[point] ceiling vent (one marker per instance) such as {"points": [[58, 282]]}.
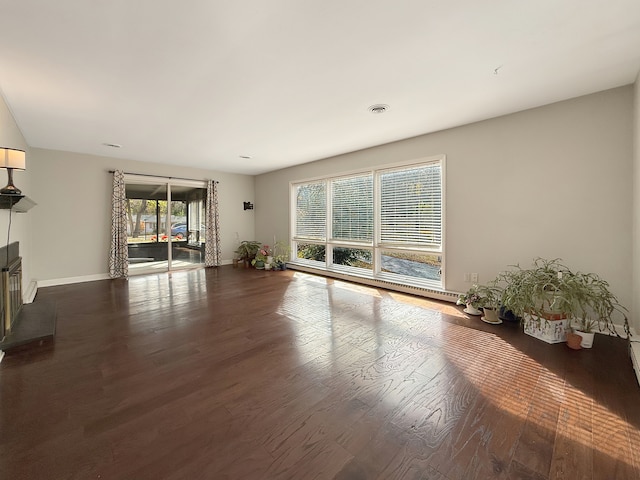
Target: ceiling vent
{"points": [[378, 108]]}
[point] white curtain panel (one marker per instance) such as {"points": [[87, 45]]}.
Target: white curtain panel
{"points": [[118, 252], [212, 250]]}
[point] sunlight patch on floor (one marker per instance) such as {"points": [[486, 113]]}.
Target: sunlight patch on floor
{"points": [[354, 287], [440, 306], [553, 402], [156, 267], [534, 393]]}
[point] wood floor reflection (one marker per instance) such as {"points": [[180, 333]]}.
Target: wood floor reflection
{"points": [[243, 374]]}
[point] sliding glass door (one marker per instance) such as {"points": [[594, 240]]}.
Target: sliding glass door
{"points": [[187, 227], [165, 224]]}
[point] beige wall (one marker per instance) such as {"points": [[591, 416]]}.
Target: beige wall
{"points": [[554, 181], [635, 307], [10, 136], [72, 221]]}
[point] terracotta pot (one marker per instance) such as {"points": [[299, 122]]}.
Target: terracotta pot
{"points": [[573, 341]]}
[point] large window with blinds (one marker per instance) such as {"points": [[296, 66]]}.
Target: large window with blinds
{"points": [[311, 211], [352, 208], [411, 206], [384, 224]]}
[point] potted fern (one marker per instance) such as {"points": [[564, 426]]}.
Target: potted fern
{"points": [[550, 298]]}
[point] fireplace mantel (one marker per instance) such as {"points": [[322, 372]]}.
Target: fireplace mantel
{"points": [[19, 203]]}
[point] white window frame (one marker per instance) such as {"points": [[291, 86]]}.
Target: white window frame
{"points": [[376, 245]]}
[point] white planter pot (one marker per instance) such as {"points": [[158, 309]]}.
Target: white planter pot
{"points": [[269, 259], [471, 310], [547, 330], [587, 339], [491, 316]]}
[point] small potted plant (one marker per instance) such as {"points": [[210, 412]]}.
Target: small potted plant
{"points": [[281, 254], [594, 306], [263, 257], [490, 302], [472, 300]]}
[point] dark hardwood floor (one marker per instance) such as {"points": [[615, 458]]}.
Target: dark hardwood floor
{"points": [[243, 374]]}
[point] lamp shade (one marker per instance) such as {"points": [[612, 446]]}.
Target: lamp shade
{"points": [[12, 158]]}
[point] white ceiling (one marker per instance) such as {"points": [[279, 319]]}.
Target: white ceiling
{"points": [[201, 82]]}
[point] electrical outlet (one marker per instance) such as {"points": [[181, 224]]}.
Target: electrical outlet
{"points": [[467, 277], [474, 277]]}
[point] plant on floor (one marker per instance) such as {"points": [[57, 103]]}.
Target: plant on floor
{"points": [[486, 297], [247, 250], [281, 254], [535, 290], [489, 296], [471, 297], [263, 252], [549, 290], [490, 301]]}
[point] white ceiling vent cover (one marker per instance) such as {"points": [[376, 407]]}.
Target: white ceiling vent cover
{"points": [[378, 108]]}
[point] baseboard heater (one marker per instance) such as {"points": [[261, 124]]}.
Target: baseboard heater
{"points": [[398, 287]]}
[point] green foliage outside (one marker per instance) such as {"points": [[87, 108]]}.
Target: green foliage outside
{"points": [[341, 256], [137, 207], [352, 257], [311, 251]]}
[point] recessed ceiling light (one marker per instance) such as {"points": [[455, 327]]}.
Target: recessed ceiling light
{"points": [[246, 157], [112, 145], [378, 108]]}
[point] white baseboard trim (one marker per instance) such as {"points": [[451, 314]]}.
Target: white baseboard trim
{"points": [[619, 329], [30, 293], [69, 280], [634, 346], [634, 352], [91, 278]]}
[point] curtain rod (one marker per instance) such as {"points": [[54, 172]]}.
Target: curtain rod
{"points": [[164, 176]]}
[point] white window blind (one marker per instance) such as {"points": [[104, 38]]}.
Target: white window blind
{"points": [[352, 208], [311, 211], [384, 223], [411, 206]]}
